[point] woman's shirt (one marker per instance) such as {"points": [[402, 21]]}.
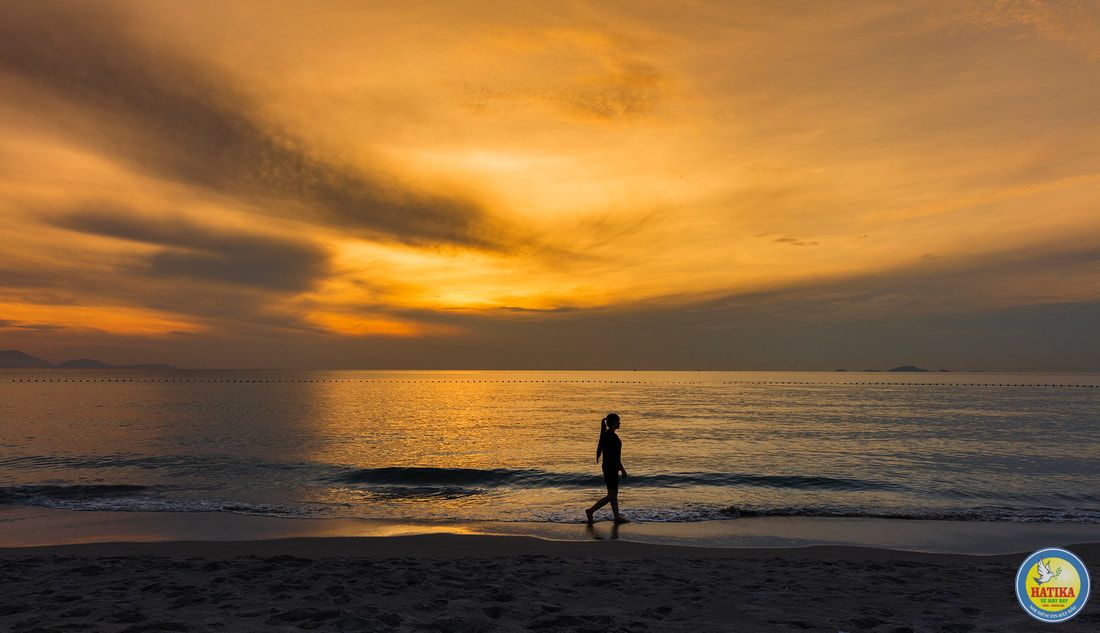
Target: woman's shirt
{"points": [[612, 452]]}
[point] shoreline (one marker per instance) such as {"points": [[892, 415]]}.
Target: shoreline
{"points": [[40, 527], [449, 545]]}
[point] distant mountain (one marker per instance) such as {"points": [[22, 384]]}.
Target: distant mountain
{"points": [[82, 363], [14, 359], [909, 368]]}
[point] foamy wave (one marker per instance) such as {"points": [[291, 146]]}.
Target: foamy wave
{"points": [[534, 478], [701, 512], [67, 492], [137, 498], [134, 498]]}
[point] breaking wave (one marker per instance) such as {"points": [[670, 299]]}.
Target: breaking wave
{"points": [[428, 488], [702, 512], [134, 498], [534, 478]]}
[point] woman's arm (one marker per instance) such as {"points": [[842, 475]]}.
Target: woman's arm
{"points": [[622, 469]]}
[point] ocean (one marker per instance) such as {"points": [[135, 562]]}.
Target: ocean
{"points": [[462, 446]]}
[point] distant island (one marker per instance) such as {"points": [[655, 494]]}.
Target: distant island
{"points": [[903, 369], [14, 359]]}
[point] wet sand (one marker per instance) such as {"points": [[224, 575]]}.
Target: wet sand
{"points": [[26, 526], [446, 582]]}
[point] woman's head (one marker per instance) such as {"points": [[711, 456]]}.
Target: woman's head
{"points": [[611, 421]]}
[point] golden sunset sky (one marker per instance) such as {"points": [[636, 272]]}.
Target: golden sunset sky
{"points": [[561, 184]]}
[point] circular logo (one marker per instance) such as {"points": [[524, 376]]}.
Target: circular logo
{"points": [[1052, 585]]}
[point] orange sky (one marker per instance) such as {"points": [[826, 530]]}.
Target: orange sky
{"points": [[448, 184]]}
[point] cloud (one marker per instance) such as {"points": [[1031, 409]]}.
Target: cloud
{"points": [[596, 77], [190, 250], [221, 279], [793, 241], [1072, 23], [626, 93], [935, 285], [171, 116], [22, 325]]}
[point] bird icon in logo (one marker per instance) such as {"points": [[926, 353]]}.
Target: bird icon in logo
{"points": [[1045, 574]]}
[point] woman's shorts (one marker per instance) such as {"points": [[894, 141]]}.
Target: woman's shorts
{"points": [[611, 478]]}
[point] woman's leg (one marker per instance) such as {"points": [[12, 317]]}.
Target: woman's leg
{"points": [[615, 508], [599, 504], [612, 481]]}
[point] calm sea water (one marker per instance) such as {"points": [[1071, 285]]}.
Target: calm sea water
{"points": [[469, 446]]}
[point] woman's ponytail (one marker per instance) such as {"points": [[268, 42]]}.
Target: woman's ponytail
{"points": [[603, 432]]}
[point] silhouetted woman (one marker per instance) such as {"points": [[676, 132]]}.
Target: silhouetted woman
{"points": [[611, 447]]}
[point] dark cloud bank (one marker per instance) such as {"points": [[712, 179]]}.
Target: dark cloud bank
{"points": [[189, 250], [177, 119]]}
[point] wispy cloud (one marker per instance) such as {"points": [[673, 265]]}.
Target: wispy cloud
{"points": [[1073, 23], [794, 241], [198, 252], [174, 117]]}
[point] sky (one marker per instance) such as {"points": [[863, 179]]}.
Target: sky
{"points": [[554, 185]]}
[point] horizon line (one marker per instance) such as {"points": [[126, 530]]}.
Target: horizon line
{"points": [[553, 369]]}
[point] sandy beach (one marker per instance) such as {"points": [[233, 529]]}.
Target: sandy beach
{"points": [[458, 583]]}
